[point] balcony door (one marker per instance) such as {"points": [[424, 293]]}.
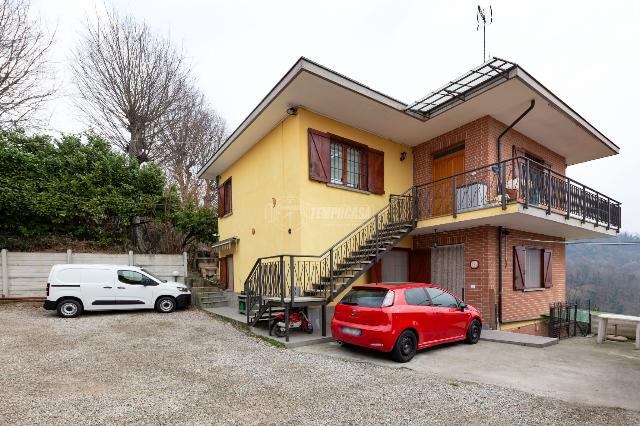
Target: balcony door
{"points": [[445, 165]]}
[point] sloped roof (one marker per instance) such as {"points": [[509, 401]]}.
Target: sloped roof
{"points": [[498, 87]]}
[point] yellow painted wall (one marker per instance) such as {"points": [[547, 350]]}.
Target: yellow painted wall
{"points": [[329, 213], [308, 216], [258, 178]]}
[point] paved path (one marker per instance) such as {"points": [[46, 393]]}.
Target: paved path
{"points": [[499, 336], [188, 368], [574, 370]]}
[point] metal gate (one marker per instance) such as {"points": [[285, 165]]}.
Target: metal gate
{"points": [[569, 319], [447, 268]]}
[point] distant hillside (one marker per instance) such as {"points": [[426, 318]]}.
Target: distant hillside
{"points": [[608, 275]]}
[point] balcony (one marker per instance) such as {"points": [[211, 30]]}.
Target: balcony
{"points": [[518, 193]]}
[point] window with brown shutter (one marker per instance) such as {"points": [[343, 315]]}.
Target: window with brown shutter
{"points": [[376, 171], [519, 267], [532, 268], [548, 268], [339, 161], [318, 156], [224, 199]]}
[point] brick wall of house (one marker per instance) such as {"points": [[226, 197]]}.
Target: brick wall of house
{"points": [[522, 305], [473, 134], [557, 162], [481, 243], [479, 137]]}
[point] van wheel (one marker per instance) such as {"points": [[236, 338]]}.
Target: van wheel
{"points": [[69, 308], [405, 347], [473, 332], [165, 304]]}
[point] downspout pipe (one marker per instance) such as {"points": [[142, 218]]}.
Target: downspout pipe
{"points": [[499, 313], [500, 230], [510, 126]]}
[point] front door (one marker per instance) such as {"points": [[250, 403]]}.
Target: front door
{"points": [[395, 267], [134, 290], [447, 268], [444, 167], [229, 284], [222, 283], [420, 266]]}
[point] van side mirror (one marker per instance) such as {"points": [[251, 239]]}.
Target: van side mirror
{"points": [[463, 306]]}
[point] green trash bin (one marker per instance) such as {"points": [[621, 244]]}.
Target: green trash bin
{"points": [[242, 304]]}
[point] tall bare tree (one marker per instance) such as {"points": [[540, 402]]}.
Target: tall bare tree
{"points": [[25, 80], [189, 140], [130, 82]]}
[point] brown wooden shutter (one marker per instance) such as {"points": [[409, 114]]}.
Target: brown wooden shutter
{"points": [[222, 266], [319, 156], [375, 171], [228, 193], [548, 268], [519, 267], [221, 200]]}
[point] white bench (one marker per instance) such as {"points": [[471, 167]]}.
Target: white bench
{"points": [[603, 320]]}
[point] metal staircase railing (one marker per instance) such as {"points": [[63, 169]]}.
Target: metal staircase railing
{"points": [[286, 279]]}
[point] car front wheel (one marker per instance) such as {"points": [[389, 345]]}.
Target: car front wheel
{"points": [[405, 348], [69, 308], [473, 332], [166, 304]]}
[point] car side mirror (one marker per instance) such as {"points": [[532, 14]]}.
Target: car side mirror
{"points": [[463, 306]]}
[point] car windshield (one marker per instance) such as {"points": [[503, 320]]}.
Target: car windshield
{"points": [[153, 276], [367, 297]]}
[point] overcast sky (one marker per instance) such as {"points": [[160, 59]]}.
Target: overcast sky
{"points": [[587, 53]]}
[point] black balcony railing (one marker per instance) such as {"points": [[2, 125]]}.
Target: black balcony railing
{"points": [[516, 180]]}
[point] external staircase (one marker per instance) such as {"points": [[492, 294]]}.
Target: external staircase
{"points": [[282, 282]]}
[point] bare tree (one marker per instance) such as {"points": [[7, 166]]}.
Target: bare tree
{"points": [[25, 81], [189, 140], [130, 82]]}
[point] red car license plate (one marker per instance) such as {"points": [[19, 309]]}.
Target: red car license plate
{"points": [[351, 331]]}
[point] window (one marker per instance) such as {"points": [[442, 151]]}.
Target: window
{"points": [[224, 199], [130, 277], [532, 268], [533, 277], [339, 161], [416, 296], [441, 298], [346, 165], [369, 298]]}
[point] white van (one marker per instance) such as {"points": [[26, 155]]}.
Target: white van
{"points": [[74, 288]]}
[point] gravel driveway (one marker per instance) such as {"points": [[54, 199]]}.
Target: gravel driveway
{"points": [[187, 367]]}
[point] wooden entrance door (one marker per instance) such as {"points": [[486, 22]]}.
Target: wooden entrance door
{"points": [[420, 266], [443, 168]]}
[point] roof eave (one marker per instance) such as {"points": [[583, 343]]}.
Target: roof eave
{"points": [[304, 64]]}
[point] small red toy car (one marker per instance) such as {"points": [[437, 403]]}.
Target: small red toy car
{"points": [[402, 318]]}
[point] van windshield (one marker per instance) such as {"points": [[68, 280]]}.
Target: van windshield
{"points": [[367, 297], [153, 276]]}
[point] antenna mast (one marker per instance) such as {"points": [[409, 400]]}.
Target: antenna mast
{"points": [[483, 19]]}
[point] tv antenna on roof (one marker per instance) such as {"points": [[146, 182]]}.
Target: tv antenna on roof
{"points": [[483, 19]]}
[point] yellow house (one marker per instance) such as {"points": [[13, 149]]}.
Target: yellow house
{"points": [[328, 182]]}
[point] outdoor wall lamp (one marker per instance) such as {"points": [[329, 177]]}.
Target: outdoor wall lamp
{"points": [[403, 155]]}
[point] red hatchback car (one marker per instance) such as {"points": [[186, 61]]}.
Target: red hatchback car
{"points": [[402, 318]]}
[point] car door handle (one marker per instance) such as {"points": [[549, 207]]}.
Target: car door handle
{"points": [[107, 286], [121, 288]]}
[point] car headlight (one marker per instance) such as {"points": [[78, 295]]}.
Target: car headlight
{"points": [[183, 289]]}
